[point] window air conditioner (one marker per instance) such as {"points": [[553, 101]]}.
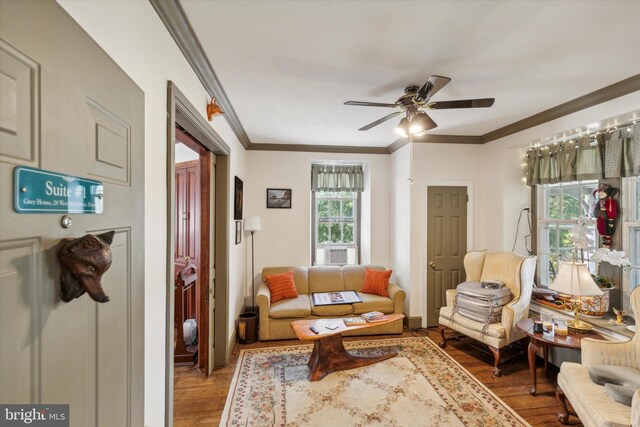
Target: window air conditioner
{"points": [[335, 256]]}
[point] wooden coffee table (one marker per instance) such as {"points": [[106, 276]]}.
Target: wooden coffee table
{"points": [[329, 354], [543, 340]]}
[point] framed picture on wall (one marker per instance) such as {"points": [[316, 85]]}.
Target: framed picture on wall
{"points": [[238, 232], [279, 198], [237, 199]]}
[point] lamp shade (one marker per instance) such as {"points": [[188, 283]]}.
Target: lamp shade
{"points": [[252, 223], [574, 279], [403, 127]]}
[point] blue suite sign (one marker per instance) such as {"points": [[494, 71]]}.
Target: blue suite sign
{"points": [[40, 191]]}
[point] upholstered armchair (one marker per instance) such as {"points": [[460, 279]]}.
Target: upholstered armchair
{"points": [[517, 272], [590, 400]]}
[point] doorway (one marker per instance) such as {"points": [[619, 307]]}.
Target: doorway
{"points": [[446, 244], [181, 114], [193, 254]]}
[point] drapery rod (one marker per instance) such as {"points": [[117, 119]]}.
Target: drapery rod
{"points": [[537, 144]]}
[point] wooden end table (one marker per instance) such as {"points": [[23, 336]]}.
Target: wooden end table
{"points": [[543, 340], [329, 354]]}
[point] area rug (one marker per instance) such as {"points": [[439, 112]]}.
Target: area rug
{"points": [[421, 386]]}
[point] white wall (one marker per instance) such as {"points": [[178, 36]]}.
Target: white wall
{"points": [[285, 238], [133, 35], [401, 220]]}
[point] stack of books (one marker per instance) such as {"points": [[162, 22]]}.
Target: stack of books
{"points": [[374, 316], [352, 321]]}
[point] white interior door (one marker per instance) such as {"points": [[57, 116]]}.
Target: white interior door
{"points": [[67, 107]]}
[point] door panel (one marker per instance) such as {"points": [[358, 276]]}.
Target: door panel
{"points": [[446, 245], [67, 107]]}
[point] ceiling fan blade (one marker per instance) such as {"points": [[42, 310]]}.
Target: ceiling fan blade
{"points": [[369, 104], [382, 120], [463, 103], [433, 85]]}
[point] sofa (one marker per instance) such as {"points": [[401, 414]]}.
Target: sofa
{"points": [[517, 273], [590, 401], [275, 318]]}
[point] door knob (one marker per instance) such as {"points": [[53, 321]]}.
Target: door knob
{"points": [[432, 265]]}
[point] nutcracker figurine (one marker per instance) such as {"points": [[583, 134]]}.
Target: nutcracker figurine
{"points": [[606, 212]]}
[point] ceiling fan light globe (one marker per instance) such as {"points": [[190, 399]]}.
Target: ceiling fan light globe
{"points": [[403, 127], [415, 128], [420, 123]]}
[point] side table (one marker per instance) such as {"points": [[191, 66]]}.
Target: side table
{"points": [[538, 340]]}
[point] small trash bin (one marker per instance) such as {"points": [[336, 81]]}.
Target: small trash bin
{"points": [[248, 327]]}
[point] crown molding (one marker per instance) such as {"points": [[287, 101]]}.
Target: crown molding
{"points": [[435, 139], [174, 18], [318, 148], [607, 93]]}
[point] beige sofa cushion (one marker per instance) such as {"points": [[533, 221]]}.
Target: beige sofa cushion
{"points": [[582, 392], [325, 279], [495, 330], [331, 310], [354, 276], [291, 308], [371, 302], [300, 276]]}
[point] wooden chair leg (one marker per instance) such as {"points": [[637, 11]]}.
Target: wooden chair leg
{"points": [[496, 360], [443, 342], [563, 417]]}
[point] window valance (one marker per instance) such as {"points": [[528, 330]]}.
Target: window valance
{"points": [[337, 177], [614, 154]]}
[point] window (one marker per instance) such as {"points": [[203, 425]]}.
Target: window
{"points": [[335, 211], [631, 237], [336, 234], [559, 205]]}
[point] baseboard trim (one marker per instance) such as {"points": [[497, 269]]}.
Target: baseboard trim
{"points": [[413, 322]]}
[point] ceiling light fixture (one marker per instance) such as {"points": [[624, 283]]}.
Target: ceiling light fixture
{"points": [[403, 127], [421, 123]]}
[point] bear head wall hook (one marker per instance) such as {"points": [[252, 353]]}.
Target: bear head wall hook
{"points": [[83, 261]]}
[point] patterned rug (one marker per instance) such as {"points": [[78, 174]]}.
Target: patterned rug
{"points": [[421, 386]]}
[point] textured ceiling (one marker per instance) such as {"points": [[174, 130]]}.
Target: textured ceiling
{"points": [[287, 67]]}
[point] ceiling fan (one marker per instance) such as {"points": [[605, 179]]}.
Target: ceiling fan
{"points": [[416, 99]]}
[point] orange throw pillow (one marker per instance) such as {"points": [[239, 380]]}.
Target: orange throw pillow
{"points": [[376, 281], [281, 286]]}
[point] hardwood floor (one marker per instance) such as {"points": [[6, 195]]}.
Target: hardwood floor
{"points": [[199, 401]]}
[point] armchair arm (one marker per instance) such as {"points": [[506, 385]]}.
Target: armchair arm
{"points": [[397, 295], [512, 313], [598, 352], [263, 298], [451, 297]]}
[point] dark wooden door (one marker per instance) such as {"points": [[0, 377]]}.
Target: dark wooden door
{"points": [[446, 245], [187, 250]]}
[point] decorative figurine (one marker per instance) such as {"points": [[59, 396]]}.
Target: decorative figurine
{"points": [[605, 212], [619, 317], [83, 262]]}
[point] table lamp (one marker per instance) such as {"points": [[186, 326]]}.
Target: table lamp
{"points": [[574, 279]]}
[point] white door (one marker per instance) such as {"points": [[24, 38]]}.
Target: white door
{"points": [[67, 107]]}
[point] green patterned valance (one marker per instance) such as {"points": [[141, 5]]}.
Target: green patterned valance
{"points": [[337, 178], [612, 154]]}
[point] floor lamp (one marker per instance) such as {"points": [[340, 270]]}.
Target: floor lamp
{"points": [[252, 224]]}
